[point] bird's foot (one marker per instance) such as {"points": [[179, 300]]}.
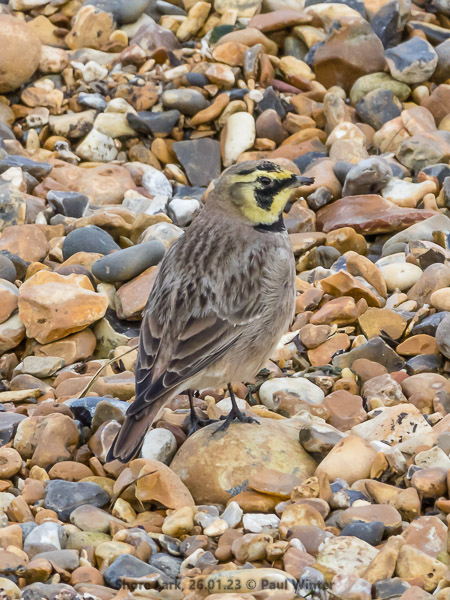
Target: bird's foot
{"points": [[234, 415], [197, 423]]}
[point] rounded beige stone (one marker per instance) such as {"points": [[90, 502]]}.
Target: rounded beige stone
{"points": [[217, 467], [21, 52], [340, 463]]}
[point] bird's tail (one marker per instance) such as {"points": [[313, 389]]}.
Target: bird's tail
{"points": [[131, 435]]}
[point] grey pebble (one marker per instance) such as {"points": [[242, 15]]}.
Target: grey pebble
{"points": [[122, 12], [128, 566], [187, 101], [88, 239], [7, 269], [69, 204], [128, 263], [64, 496]]}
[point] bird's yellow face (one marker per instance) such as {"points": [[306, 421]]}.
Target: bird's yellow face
{"points": [[261, 190]]}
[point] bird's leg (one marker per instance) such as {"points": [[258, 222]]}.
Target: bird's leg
{"points": [[235, 414], [195, 422]]}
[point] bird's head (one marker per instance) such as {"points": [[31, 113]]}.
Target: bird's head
{"points": [[258, 189]]}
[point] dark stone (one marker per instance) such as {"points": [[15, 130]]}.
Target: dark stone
{"points": [[127, 328], [271, 100], [147, 122], [338, 485], [88, 239], [20, 265], [169, 565], [385, 24], [85, 409], [122, 12], [6, 133], [354, 496], [446, 187], [30, 181], [442, 72], [295, 47], [372, 533], [440, 170], [187, 101], [238, 93], [443, 336], [306, 160], [207, 559], [128, 566], [79, 270], [378, 107], [322, 256], [219, 31], [128, 263], [431, 257], [27, 528], [187, 191], [197, 79], [385, 589], [200, 159], [69, 204], [339, 265], [51, 591], [33, 167], [430, 324], [65, 496], [425, 363], [376, 350], [320, 197], [8, 425], [341, 169], [167, 8], [397, 169], [7, 269], [367, 177]]}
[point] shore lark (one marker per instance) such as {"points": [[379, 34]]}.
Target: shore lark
{"points": [[223, 296]]}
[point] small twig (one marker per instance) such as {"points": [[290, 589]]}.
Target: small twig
{"points": [[95, 377]]}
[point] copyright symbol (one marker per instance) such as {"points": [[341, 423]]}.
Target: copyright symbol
{"points": [[251, 584]]}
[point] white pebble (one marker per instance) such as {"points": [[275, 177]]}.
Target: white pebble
{"points": [[156, 182], [232, 514], [183, 210], [240, 136], [159, 444], [299, 386], [259, 522], [400, 276], [97, 147]]}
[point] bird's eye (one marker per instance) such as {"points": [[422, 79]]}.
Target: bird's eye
{"points": [[265, 180]]}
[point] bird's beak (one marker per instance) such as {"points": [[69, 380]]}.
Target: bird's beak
{"points": [[298, 180]]}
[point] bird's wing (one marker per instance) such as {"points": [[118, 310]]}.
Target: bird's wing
{"points": [[189, 323]]}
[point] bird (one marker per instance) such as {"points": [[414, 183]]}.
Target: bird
{"points": [[223, 297]]}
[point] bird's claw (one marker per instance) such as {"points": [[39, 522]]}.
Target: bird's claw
{"points": [[198, 423], [234, 416]]}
